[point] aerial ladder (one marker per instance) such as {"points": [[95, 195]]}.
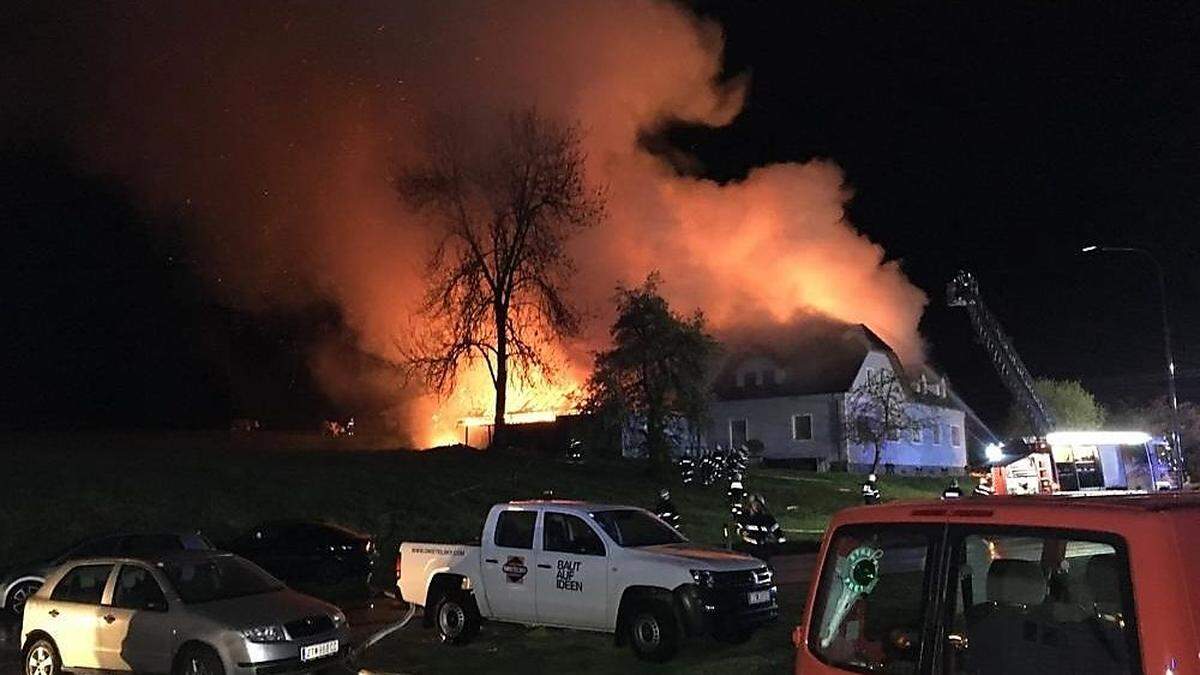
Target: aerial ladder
{"points": [[963, 291]]}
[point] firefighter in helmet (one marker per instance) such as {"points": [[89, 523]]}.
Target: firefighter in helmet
{"points": [[736, 495], [953, 491], [687, 469], [870, 490], [758, 527], [984, 488], [665, 509]]}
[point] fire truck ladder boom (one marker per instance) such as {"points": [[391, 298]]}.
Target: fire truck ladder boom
{"points": [[963, 291]]}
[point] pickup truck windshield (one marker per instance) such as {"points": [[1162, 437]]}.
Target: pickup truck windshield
{"points": [[218, 579], [631, 528]]}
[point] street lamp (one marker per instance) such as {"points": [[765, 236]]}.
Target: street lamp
{"points": [[1166, 327]]}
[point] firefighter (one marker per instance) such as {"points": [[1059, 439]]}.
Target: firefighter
{"points": [[870, 491], [984, 488], [758, 527], [665, 509], [736, 494], [687, 469], [575, 451], [953, 491]]}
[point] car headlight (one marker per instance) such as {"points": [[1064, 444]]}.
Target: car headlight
{"points": [[271, 632], [703, 578], [339, 619]]}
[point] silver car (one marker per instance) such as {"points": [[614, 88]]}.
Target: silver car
{"points": [[195, 612]]}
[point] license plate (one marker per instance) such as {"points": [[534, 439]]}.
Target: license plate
{"points": [[759, 597], [318, 650]]}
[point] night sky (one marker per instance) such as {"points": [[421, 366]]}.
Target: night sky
{"points": [[999, 139]]}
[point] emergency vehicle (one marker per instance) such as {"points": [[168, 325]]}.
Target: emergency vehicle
{"points": [[1008, 584]]}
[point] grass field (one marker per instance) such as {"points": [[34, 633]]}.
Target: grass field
{"points": [[57, 489]]}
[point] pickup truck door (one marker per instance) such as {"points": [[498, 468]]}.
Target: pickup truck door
{"points": [[572, 573], [507, 565]]}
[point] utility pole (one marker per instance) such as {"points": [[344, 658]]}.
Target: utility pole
{"points": [[1176, 444]]}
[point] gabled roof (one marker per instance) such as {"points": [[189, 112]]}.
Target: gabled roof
{"points": [[820, 359]]}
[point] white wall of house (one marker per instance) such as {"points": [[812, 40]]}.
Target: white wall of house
{"points": [[816, 435], [809, 428], [941, 446]]}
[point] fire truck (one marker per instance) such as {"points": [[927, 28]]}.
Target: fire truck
{"points": [[1057, 461]]}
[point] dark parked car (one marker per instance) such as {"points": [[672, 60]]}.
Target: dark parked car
{"points": [[303, 552], [18, 582]]}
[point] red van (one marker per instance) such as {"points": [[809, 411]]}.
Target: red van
{"points": [[1008, 585]]}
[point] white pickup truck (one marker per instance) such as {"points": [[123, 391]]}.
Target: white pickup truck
{"points": [[614, 569]]}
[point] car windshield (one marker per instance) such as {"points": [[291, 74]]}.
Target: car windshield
{"points": [[632, 527], [218, 579]]}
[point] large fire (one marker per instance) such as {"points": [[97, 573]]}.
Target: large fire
{"points": [[280, 125]]}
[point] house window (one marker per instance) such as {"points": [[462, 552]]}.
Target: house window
{"points": [[935, 434], [801, 427], [955, 436], [870, 375], [915, 435], [737, 433]]}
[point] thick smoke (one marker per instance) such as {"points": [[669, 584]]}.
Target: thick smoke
{"points": [[279, 125]]}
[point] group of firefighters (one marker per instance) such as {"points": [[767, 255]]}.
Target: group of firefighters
{"points": [[753, 522]]}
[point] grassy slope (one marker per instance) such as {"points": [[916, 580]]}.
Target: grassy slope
{"points": [[56, 491]]}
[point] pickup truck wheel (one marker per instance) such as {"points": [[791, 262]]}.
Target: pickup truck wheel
{"points": [[653, 632], [457, 618]]}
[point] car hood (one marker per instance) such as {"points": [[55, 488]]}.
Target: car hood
{"points": [[713, 558], [252, 610]]}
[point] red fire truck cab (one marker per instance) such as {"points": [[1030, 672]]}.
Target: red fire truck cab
{"points": [[1035, 584]]}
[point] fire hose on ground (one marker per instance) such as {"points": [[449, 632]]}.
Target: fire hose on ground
{"points": [[382, 633]]}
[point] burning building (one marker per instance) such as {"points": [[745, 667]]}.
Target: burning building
{"points": [[275, 130]]}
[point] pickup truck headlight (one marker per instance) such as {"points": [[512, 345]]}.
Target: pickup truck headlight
{"points": [[703, 578], [271, 632]]}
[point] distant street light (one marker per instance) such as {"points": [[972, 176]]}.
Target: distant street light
{"points": [[1166, 327]]}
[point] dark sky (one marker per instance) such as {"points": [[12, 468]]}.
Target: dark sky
{"points": [[996, 138]]}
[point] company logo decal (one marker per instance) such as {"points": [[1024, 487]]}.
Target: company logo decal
{"points": [[515, 569]]}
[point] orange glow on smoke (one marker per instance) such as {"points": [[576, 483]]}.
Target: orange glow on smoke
{"points": [[279, 127]]}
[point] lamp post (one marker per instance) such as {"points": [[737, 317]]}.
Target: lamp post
{"points": [[1166, 327]]}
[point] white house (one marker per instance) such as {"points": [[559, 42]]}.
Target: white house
{"points": [[792, 398]]}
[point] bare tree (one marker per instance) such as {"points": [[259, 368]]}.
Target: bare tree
{"points": [[878, 411], [499, 270]]}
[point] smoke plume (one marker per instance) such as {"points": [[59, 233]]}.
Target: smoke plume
{"points": [[279, 126]]}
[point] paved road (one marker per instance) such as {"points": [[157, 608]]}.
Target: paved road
{"points": [[792, 574]]}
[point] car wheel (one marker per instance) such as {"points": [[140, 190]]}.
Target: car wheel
{"points": [[42, 659], [457, 618], [653, 632], [197, 660], [15, 602]]}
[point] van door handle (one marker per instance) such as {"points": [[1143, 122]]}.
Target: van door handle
{"points": [[490, 560], [53, 612], [109, 618], [543, 566]]}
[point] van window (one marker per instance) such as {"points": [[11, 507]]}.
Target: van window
{"points": [[514, 529], [870, 610], [1039, 601], [83, 584]]}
